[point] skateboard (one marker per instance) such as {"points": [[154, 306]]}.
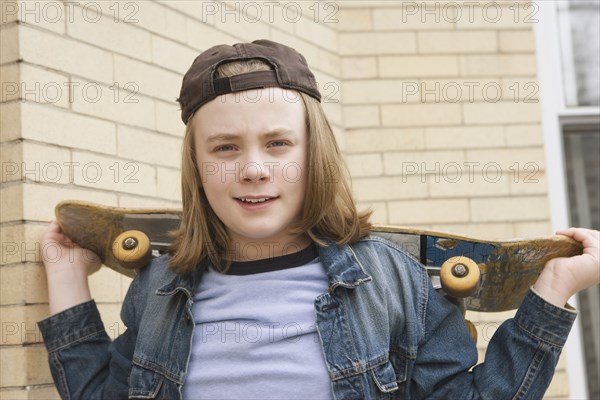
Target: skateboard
{"points": [[482, 275]]}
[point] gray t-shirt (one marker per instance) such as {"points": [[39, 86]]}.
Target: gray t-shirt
{"points": [[255, 335]]}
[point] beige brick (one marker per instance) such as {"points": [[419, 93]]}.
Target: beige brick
{"points": [[309, 50], [428, 211], [19, 323], [10, 123], [379, 43], [172, 55], [104, 173], [500, 112], [332, 108], [24, 366], [277, 18], [145, 146], [376, 91], [498, 65], [510, 209], [105, 286], [329, 61], [418, 66], [421, 162], [361, 165], [321, 33], [11, 202], [488, 230], [421, 114], [245, 27], [521, 90], [533, 229], [156, 18], [358, 19], [23, 283], [517, 41], [168, 182], [330, 88], [498, 16], [168, 118], [53, 125], [388, 188], [21, 243], [109, 312], [149, 79], [361, 116], [45, 164], [379, 209], [524, 135], [9, 11], [46, 14], [461, 90], [370, 140], [202, 11], [559, 387], [10, 81], [529, 181], [414, 16], [104, 32], [58, 53], [201, 36], [529, 160], [359, 67], [457, 181], [147, 202], [9, 41], [457, 42], [39, 200], [464, 137], [43, 86], [31, 393], [11, 154], [124, 103]]}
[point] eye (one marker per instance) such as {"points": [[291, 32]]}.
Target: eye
{"points": [[225, 147], [278, 143]]}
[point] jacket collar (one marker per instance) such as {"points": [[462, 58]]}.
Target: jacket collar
{"points": [[342, 266], [340, 261]]}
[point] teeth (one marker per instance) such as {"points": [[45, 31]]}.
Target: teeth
{"points": [[253, 201]]}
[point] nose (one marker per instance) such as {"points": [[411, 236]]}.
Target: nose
{"points": [[253, 171]]}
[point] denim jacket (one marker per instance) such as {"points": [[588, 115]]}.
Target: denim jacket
{"points": [[385, 334]]}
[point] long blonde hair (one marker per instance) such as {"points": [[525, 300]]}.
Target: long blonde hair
{"points": [[328, 209]]}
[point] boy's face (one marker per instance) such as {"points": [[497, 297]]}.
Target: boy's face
{"points": [[251, 149]]}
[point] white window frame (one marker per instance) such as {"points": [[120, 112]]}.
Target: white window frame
{"points": [[552, 72]]}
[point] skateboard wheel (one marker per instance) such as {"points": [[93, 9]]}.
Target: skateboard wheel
{"points": [[459, 276], [472, 330], [132, 249]]}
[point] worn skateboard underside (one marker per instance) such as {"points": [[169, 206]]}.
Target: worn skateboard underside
{"points": [[95, 227], [508, 268]]}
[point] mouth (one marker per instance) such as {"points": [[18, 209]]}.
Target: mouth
{"points": [[255, 199]]}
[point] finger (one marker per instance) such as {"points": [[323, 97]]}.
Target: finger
{"points": [[54, 227], [581, 234]]}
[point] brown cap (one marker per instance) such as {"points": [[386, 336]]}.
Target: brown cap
{"points": [[199, 85]]}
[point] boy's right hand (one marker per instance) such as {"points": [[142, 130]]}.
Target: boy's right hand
{"points": [[67, 269], [62, 255]]}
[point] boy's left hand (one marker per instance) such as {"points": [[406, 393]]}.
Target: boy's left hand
{"points": [[562, 277]]}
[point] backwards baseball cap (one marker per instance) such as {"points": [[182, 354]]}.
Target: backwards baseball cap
{"points": [[289, 71]]}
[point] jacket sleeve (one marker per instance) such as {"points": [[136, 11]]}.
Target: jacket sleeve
{"points": [[520, 359], [84, 362]]}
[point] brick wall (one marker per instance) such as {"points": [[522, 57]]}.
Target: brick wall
{"points": [[435, 107]]}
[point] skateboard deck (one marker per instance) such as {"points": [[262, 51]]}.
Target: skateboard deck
{"points": [[499, 272]]}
